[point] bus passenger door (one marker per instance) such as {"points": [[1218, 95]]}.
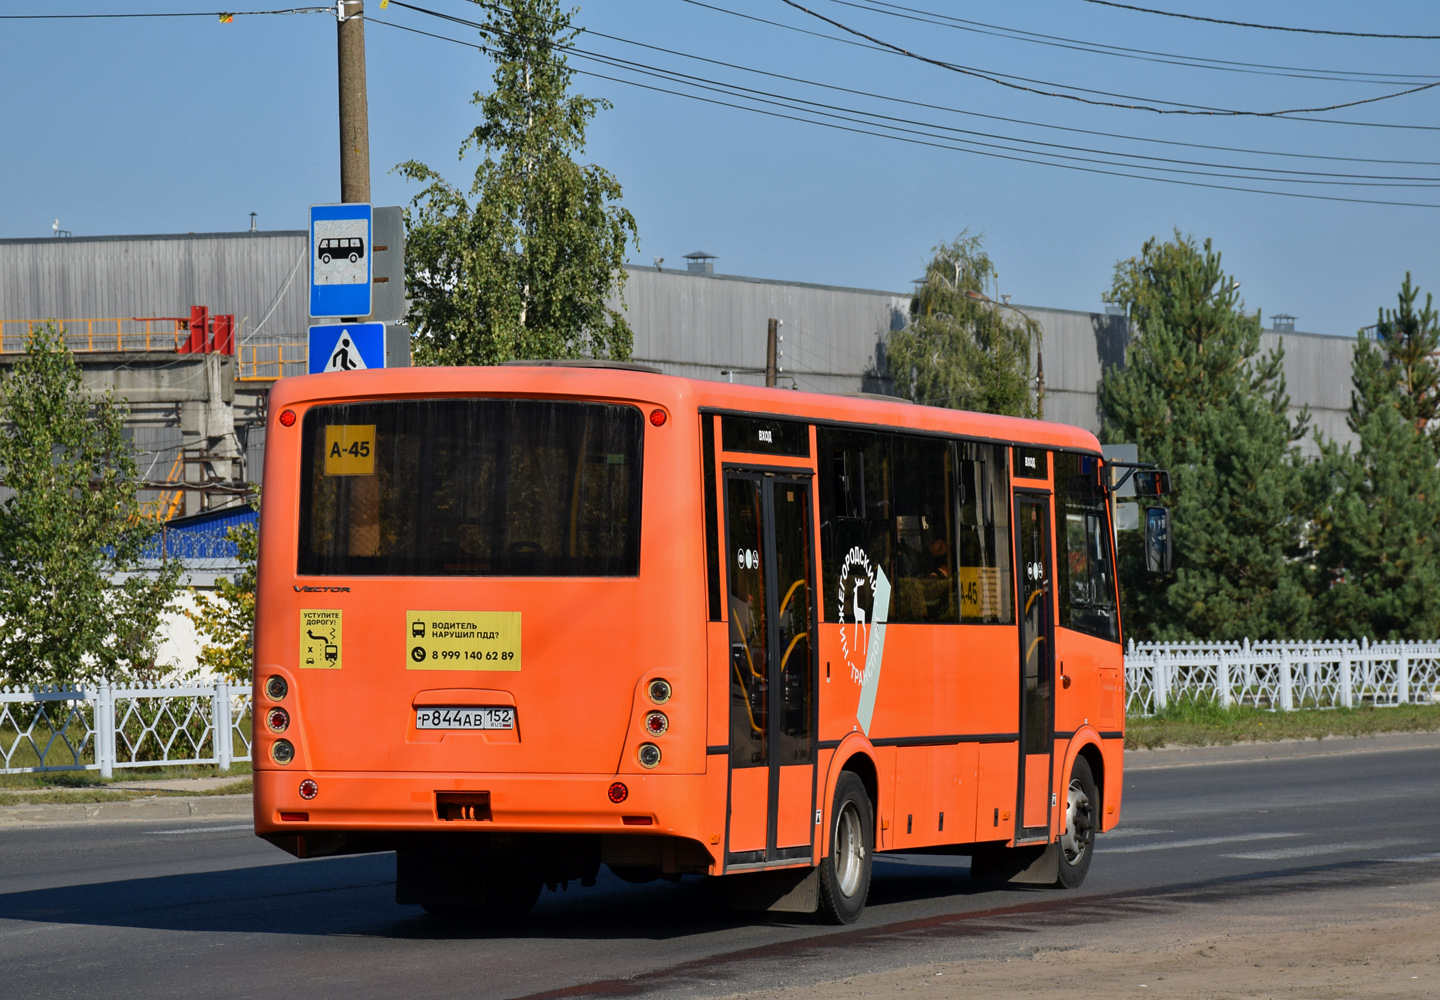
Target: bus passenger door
{"points": [[772, 669], [1037, 666]]}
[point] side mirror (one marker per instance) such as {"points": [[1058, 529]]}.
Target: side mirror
{"points": [[1152, 483], [1159, 554]]}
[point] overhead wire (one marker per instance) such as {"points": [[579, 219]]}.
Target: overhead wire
{"points": [[648, 69], [1122, 51], [1265, 27], [1175, 108], [876, 48], [188, 13], [916, 140]]}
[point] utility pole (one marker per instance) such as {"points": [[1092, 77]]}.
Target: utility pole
{"points": [[354, 109], [1039, 385], [770, 350]]}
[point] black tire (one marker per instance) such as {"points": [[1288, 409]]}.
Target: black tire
{"points": [[1082, 815], [845, 870]]}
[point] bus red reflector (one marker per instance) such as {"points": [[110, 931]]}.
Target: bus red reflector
{"points": [[294, 817], [637, 820]]}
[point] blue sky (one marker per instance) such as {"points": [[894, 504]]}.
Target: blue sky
{"points": [[188, 125]]}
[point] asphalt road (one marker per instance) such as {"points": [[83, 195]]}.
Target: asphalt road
{"points": [[204, 909]]}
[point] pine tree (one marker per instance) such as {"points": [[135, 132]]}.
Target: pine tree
{"points": [[524, 271], [1197, 398], [1382, 529], [960, 350], [74, 605]]}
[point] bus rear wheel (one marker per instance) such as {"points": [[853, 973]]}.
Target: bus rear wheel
{"points": [[1077, 842], [845, 870]]}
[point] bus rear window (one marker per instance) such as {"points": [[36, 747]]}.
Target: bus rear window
{"points": [[470, 487]]}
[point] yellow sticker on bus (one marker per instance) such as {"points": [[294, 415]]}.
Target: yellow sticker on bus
{"points": [[319, 639], [350, 450], [462, 640]]}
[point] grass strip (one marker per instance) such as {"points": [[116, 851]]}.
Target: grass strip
{"points": [[1198, 722]]}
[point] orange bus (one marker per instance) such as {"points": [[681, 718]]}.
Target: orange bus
{"points": [[517, 622]]}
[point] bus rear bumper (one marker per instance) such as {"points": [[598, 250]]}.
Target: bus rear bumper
{"points": [[386, 802]]}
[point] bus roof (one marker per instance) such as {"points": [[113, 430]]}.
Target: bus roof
{"points": [[678, 393]]}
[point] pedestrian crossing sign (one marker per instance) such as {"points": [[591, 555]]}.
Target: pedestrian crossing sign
{"points": [[347, 347]]}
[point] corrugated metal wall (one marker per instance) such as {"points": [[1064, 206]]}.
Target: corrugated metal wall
{"points": [[244, 274], [685, 323], [703, 325]]}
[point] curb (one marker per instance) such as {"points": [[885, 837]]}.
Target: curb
{"points": [[1244, 753], [178, 807]]}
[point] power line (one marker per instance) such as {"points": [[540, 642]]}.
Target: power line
{"points": [[886, 120], [889, 122], [215, 13], [936, 107], [1265, 27], [877, 48], [1003, 118], [1119, 51], [948, 146], [1177, 109]]}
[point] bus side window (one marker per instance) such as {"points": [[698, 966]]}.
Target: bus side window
{"points": [[982, 502], [925, 586], [1086, 577], [856, 511]]}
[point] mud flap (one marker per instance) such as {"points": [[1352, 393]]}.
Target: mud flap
{"points": [[1037, 865], [789, 890]]}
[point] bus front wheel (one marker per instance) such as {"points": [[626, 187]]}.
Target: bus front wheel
{"points": [[845, 871], [1077, 843]]}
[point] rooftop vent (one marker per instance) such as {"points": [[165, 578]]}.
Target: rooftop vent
{"points": [[1282, 323], [700, 262]]}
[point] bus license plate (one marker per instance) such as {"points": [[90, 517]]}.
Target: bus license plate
{"points": [[465, 718]]}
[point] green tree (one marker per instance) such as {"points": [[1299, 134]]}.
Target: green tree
{"points": [[1381, 530], [525, 270], [962, 350], [73, 598], [227, 619], [1198, 398]]}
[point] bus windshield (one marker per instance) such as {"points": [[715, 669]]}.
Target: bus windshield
{"points": [[470, 487]]}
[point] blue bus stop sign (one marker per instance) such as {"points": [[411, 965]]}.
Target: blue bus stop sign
{"points": [[341, 252]]}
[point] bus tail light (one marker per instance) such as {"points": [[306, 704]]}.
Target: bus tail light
{"points": [[656, 723], [649, 754], [309, 789], [658, 417], [287, 418], [283, 752], [619, 793], [275, 688], [659, 691], [278, 720]]}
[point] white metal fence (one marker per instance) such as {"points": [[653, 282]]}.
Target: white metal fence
{"points": [[105, 727], [1282, 675]]}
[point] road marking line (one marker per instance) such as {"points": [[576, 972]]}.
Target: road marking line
{"points": [[1284, 853], [1417, 858], [1197, 842], [1136, 831], [202, 829]]}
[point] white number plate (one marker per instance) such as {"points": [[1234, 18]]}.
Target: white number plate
{"points": [[465, 718]]}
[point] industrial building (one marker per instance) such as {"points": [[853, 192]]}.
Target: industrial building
{"points": [[198, 399]]}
